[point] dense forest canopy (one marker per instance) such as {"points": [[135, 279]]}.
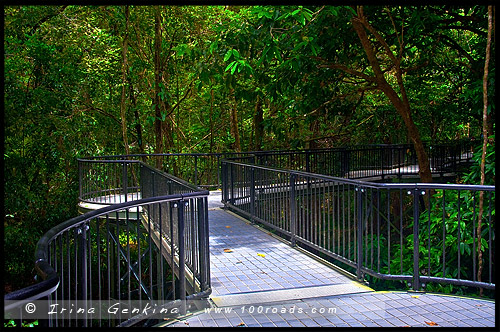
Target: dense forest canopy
{"points": [[96, 80]]}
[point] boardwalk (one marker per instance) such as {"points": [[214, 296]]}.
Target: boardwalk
{"points": [[258, 280]]}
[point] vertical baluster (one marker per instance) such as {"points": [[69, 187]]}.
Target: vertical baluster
{"points": [[444, 233], [458, 235], [182, 272], [490, 243], [416, 243]]}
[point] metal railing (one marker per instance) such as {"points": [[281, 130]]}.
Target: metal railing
{"points": [[370, 161], [146, 215], [355, 162], [149, 251], [416, 233], [200, 169]]}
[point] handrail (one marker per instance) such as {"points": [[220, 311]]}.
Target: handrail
{"points": [[203, 168], [170, 237], [42, 247], [52, 280], [417, 185], [352, 221]]}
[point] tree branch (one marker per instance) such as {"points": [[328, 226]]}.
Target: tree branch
{"points": [[349, 71], [381, 40]]}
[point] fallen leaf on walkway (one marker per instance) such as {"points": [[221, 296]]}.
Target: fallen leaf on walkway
{"points": [[228, 226], [431, 323], [261, 255], [415, 296], [228, 250]]}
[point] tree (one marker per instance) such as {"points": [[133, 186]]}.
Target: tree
{"points": [[485, 141], [123, 103], [399, 100]]}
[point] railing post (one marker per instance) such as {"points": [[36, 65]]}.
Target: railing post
{"points": [[391, 162], [82, 274], [80, 179], [203, 248], [252, 193], [382, 153], [231, 184], [182, 256], [347, 156], [293, 209], [196, 170], [219, 170], [223, 177], [308, 166], [125, 180], [416, 241], [359, 256]]}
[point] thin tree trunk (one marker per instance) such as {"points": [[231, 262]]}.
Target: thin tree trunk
{"points": [[485, 143], [157, 90], [168, 128], [234, 125], [211, 120], [138, 127], [258, 125], [124, 81]]}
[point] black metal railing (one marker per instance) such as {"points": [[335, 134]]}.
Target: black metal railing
{"points": [[144, 212], [355, 162], [370, 161], [417, 233], [200, 169], [147, 252], [108, 181]]}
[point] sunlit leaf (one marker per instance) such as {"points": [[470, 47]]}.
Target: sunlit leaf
{"points": [[228, 55]]}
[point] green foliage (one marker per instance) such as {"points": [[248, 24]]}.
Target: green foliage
{"points": [[440, 249], [474, 177], [63, 88], [12, 323]]}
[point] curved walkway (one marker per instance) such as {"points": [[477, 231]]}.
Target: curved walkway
{"points": [[258, 280]]}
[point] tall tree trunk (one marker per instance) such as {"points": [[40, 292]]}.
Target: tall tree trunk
{"points": [[123, 102], [168, 128], [211, 120], [258, 119], [234, 125], [485, 143], [138, 127], [402, 103], [157, 88]]}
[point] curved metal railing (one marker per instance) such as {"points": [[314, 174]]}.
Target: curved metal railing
{"points": [[147, 253]]}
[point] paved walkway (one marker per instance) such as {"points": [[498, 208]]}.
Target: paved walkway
{"points": [[258, 280]]}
